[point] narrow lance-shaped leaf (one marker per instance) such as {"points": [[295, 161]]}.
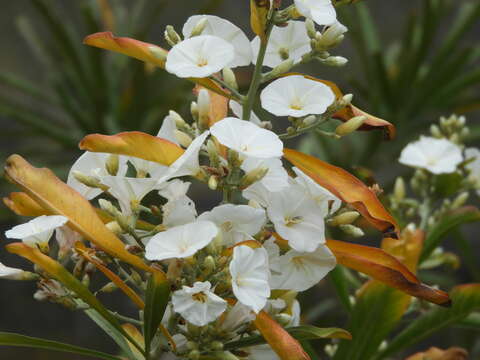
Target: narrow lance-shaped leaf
{"points": [[58, 198], [286, 347], [59, 273], [11, 339], [385, 268], [143, 51], [135, 334], [346, 187], [156, 300], [134, 143]]}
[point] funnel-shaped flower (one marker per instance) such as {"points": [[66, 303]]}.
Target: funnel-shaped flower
{"points": [[296, 96], [321, 11], [199, 57]]}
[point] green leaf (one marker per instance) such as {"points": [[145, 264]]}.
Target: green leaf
{"points": [[340, 283], [377, 311], [465, 299], [447, 184], [301, 333], [12, 339], [156, 300], [449, 222]]}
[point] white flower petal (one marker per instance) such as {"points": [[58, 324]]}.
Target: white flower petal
{"points": [[474, 166], [247, 138], [10, 273], [225, 30], [200, 56], [276, 178], [238, 111], [321, 11], [296, 96], [38, 230], [180, 241]]}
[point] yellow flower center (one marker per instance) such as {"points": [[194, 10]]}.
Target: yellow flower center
{"points": [[290, 221], [200, 297]]}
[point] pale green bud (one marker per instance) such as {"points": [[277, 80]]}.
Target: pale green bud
{"points": [[310, 26], [283, 319], [229, 78], [399, 189], [177, 118], [253, 176], [216, 345], [435, 131], [203, 106], [352, 230], [460, 200], [108, 288], [172, 36], [350, 126], [199, 27], [112, 164], [194, 110], [114, 227], [89, 181], [194, 355], [345, 218], [184, 139], [309, 120], [335, 61], [280, 69], [347, 99], [333, 35], [213, 182]]}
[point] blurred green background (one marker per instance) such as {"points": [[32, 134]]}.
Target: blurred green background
{"points": [[410, 61]]}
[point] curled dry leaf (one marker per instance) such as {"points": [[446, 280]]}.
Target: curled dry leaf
{"points": [[434, 353], [22, 204], [346, 187]]}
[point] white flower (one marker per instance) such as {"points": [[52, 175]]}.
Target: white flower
{"points": [[238, 111], [188, 163], [10, 273], [474, 166], [66, 239], [250, 275], [247, 138], [225, 30], [179, 209], [238, 316], [128, 190], [92, 164], [328, 202], [289, 42], [321, 11], [180, 241], [236, 222], [198, 305], [439, 156], [174, 189], [262, 352], [276, 178], [297, 218], [37, 231], [296, 96], [300, 271], [199, 57]]}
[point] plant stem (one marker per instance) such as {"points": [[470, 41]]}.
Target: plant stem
{"points": [[257, 74], [127, 319], [234, 92]]}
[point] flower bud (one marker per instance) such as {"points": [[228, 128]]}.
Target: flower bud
{"points": [[344, 218], [335, 61], [283, 319], [333, 35], [177, 118], [114, 227], [184, 139], [108, 288], [253, 176], [280, 69], [229, 78], [399, 189], [352, 230], [309, 120], [172, 36], [194, 355], [350, 126], [194, 110], [199, 27], [213, 182], [111, 164], [158, 53], [435, 131], [89, 181], [347, 99], [310, 26], [209, 264], [460, 200]]}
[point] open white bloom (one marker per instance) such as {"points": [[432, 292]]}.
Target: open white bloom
{"points": [[37, 231], [92, 164], [179, 209], [250, 276], [129, 191], [10, 273], [180, 241], [247, 138], [474, 166], [238, 111], [188, 163], [297, 218], [328, 202], [439, 156], [289, 42], [300, 271], [236, 222], [296, 96], [200, 56], [198, 304], [225, 30], [321, 11], [276, 178]]}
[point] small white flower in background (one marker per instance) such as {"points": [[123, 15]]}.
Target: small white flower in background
{"points": [[238, 111], [247, 138], [179, 209], [262, 352], [128, 190], [66, 239], [289, 42], [10, 273], [225, 30], [321, 11], [297, 218], [250, 275], [300, 271], [180, 241], [200, 56], [92, 164], [198, 304], [276, 178], [236, 222], [439, 156], [333, 34], [296, 96], [187, 164], [238, 316], [37, 231], [328, 202], [474, 166]]}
